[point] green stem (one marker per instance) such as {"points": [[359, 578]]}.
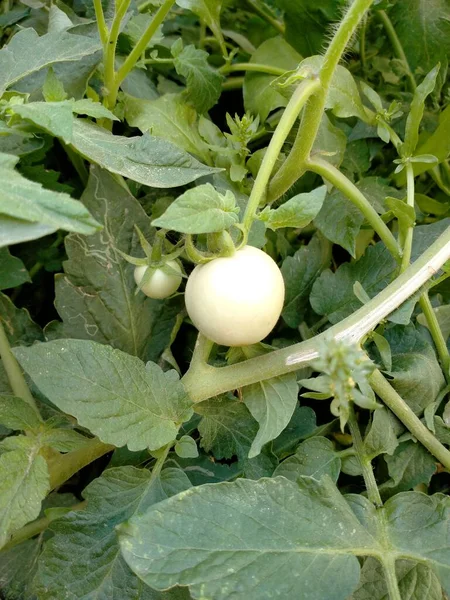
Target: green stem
{"points": [[35, 528], [290, 115], [397, 46], [234, 83], [101, 23], [159, 463], [373, 492], [109, 51], [399, 407], [425, 303], [258, 68], [344, 185], [13, 371], [264, 14], [436, 334], [362, 46], [207, 381], [407, 249], [293, 167], [78, 163], [63, 467], [391, 577], [143, 42], [202, 350]]}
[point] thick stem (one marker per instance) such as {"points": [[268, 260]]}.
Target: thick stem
{"points": [[290, 115], [145, 39], [209, 381], [410, 200], [35, 528], [399, 407], [14, 372], [101, 23], [293, 166], [373, 492], [397, 47], [349, 189], [258, 68], [264, 14], [64, 466], [110, 54], [436, 334]]}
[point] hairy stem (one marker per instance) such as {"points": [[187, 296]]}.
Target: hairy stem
{"points": [[206, 381], [14, 372], [143, 42], [290, 115], [373, 492], [399, 407], [293, 167], [349, 189], [397, 47]]}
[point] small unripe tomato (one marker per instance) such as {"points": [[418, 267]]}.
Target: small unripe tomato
{"points": [[237, 300], [161, 285]]}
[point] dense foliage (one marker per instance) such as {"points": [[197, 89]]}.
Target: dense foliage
{"points": [[140, 139]]}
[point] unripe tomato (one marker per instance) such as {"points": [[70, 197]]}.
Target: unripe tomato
{"points": [[161, 285], [236, 301]]}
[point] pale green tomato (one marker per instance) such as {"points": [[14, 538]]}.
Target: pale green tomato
{"points": [[236, 301], [161, 285]]}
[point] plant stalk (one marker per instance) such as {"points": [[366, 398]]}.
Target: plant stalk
{"points": [[436, 334], [397, 46], [65, 466], [290, 115], [35, 528], [294, 165], [373, 492], [109, 52], [264, 14], [256, 67], [14, 372], [406, 259], [101, 23], [143, 42], [399, 407], [349, 189]]}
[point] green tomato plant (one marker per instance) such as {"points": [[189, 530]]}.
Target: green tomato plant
{"points": [[278, 425]]}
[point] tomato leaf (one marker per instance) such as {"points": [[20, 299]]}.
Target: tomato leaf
{"points": [[200, 210], [146, 159], [115, 395], [296, 212], [313, 458], [113, 313], [204, 84], [42, 210]]}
